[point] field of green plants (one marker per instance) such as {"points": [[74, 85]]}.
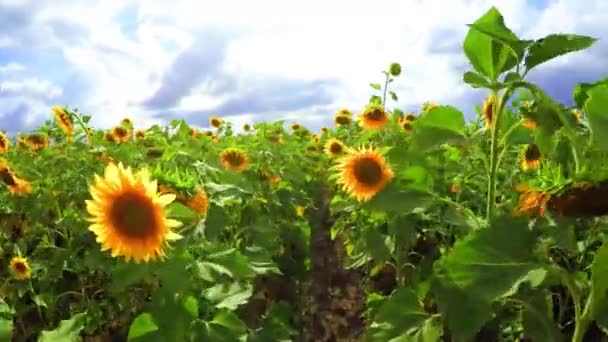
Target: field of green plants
{"points": [[389, 226]]}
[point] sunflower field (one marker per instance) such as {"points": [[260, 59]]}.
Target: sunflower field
{"points": [[389, 226]]}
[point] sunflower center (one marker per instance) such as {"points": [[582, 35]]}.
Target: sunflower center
{"points": [[532, 153], [133, 215], [20, 267], [342, 119], [235, 159], [335, 148], [367, 171], [120, 132], [376, 114]]}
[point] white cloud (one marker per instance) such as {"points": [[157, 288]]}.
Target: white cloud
{"points": [[11, 67], [30, 87], [347, 41]]}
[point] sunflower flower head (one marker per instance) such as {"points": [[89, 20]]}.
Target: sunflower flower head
{"points": [[127, 122], [234, 159], [37, 141], [324, 130], [488, 109], [128, 215], [315, 138], [140, 134], [20, 268], [246, 127], [531, 157], [363, 173], [194, 132], [531, 201], [120, 134], [343, 117], [64, 120], [295, 127], [531, 124], [15, 184], [216, 122], [334, 147], [199, 201], [373, 117], [4, 143]]}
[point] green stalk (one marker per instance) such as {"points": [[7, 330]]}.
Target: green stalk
{"points": [[582, 321], [388, 76], [490, 203]]}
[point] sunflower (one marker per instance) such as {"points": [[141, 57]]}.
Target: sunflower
{"points": [[216, 122], [198, 202], [531, 157], [140, 134], [37, 141], [455, 188], [120, 134], [406, 125], [324, 130], [300, 211], [530, 201], [214, 138], [109, 137], [128, 215], [20, 268], [64, 120], [233, 159], [270, 178], [334, 147], [373, 117], [364, 173], [295, 127], [4, 143], [275, 139], [409, 117], [488, 109], [315, 138], [246, 127], [126, 122], [343, 117], [576, 114]]}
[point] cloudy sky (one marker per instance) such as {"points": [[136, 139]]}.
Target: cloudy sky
{"points": [[251, 61]]}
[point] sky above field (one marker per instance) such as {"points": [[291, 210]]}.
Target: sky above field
{"points": [[251, 61]]}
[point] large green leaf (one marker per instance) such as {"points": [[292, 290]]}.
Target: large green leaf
{"points": [[492, 261], [229, 296], [440, 125], [580, 91], [67, 331], [475, 80], [537, 318], [490, 56], [142, 325], [554, 45], [596, 108], [599, 279]]}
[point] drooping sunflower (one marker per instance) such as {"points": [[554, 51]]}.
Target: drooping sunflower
{"points": [[363, 173], [37, 141], [64, 120], [128, 215], [406, 125], [199, 201], [216, 122], [334, 147], [4, 143], [20, 268], [120, 134], [488, 109], [531, 157], [531, 201], [234, 159], [373, 117]]}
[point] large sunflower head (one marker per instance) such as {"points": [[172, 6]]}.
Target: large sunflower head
{"points": [[128, 215], [531, 157], [334, 147], [364, 173], [373, 117], [120, 134], [64, 120], [20, 268], [4, 143], [488, 109], [234, 159], [216, 122]]}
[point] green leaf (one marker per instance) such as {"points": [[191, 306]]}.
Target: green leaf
{"points": [[6, 329], [490, 56], [475, 80], [399, 314], [398, 198], [376, 86], [580, 91], [599, 279], [126, 274], [512, 76], [492, 261], [141, 326], [377, 245], [554, 45], [230, 320], [444, 124], [596, 108], [67, 330], [537, 317], [393, 96], [229, 296]]}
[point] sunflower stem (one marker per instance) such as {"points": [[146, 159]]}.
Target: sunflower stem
{"points": [[388, 76], [490, 203]]}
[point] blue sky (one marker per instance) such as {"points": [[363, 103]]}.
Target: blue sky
{"points": [[251, 61]]}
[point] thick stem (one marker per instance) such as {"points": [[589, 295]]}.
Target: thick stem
{"points": [[583, 321], [490, 203]]}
